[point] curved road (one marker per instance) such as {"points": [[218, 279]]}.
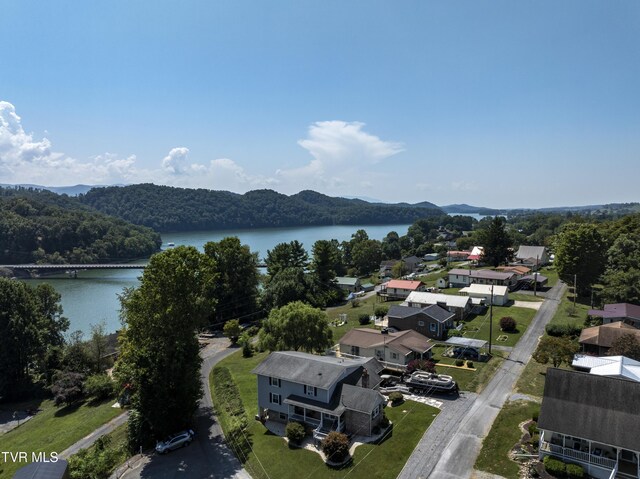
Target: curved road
{"points": [[449, 448], [208, 456]]}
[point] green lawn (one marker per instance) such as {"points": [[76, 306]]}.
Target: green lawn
{"points": [[478, 328], [382, 461], [525, 297], [468, 380], [504, 434], [364, 306], [54, 429], [552, 275]]}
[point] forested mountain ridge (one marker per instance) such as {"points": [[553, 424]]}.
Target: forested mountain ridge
{"points": [[41, 226], [166, 208]]}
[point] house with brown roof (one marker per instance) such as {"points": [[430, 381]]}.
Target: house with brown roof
{"points": [[459, 278], [599, 339], [592, 421], [519, 270], [390, 348], [400, 288], [625, 312]]}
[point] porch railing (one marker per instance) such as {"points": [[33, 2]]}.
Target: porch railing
{"points": [[579, 455], [307, 420]]}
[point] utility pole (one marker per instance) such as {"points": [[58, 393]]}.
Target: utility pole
{"points": [[490, 320], [535, 278], [575, 291]]}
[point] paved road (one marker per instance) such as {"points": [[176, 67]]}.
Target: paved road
{"points": [[208, 456], [453, 445], [87, 441]]}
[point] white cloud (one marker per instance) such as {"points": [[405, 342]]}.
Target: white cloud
{"points": [[343, 155], [175, 160]]}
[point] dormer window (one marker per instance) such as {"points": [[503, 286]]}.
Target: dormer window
{"points": [[310, 390]]}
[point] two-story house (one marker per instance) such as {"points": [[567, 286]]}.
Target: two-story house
{"points": [[459, 278], [460, 306], [431, 321], [327, 393], [396, 350], [592, 421], [400, 288]]}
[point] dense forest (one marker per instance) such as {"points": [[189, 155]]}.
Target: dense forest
{"points": [[165, 208], [40, 226]]}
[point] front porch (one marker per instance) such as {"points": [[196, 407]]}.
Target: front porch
{"points": [[599, 460], [321, 421]]}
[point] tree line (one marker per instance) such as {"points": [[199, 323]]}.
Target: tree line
{"points": [[166, 208], [42, 227]]}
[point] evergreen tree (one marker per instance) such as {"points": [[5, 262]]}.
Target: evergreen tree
{"points": [[496, 242]]}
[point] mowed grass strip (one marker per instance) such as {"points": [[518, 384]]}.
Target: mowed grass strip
{"points": [[55, 429], [271, 457], [504, 434]]}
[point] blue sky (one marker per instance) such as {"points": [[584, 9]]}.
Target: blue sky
{"points": [[491, 103]]}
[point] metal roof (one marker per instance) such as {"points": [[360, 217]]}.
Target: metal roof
{"points": [[467, 342]]}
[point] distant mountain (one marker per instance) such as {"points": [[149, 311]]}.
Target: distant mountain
{"points": [[368, 199], [61, 190], [468, 209], [166, 208]]}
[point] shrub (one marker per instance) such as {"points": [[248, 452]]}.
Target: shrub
{"points": [[554, 467], [335, 446], [469, 364], [295, 432], [252, 330], [67, 387], [422, 365], [99, 386], [459, 362], [396, 398], [535, 414], [453, 333], [364, 319], [564, 329], [384, 422], [575, 471], [247, 349], [232, 330], [381, 311], [532, 429], [508, 324]]}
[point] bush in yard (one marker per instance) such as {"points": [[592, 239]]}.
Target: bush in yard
{"points": [[422, 365], [564, 329], [396, 398], [295, 432], [381, 311], [453, 333], [99, 387], [508, 324], [355, 303], [232, 330], [247, 349], [535, 415], [554, 466], [459, 362], [384, 422], [335, 446], [574, 471], [364, 319], [469, 364], [67, 387]]}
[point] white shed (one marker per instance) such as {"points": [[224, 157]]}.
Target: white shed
{"points": [[484, 291]]}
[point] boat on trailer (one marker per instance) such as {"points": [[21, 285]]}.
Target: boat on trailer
{"points": [[423, 381]]}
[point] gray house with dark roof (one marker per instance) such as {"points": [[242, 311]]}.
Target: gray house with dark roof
{"points": [[430, 321], [326, 393], [532, 256], [593, 421]]}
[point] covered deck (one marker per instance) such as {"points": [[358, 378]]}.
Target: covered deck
{"points": [[319, 416]]}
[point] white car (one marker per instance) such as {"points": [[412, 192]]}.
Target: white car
{"points": [[180, 439]]}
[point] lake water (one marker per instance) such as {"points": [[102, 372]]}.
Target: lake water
{"points": [[93, 296]]}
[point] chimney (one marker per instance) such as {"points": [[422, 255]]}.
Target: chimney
{"points": [[365, 378]]}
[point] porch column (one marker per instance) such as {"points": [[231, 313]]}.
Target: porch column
{"points": [[304, 414], [589, 452]]}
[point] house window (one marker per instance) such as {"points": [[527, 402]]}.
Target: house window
{"points": [[275, 382], [283, 416], [310, 390], [420, 323], [433, 326], [375, 412], [394, 355], [275, 399]]}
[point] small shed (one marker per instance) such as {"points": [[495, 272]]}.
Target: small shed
{"points": [[487, 292]]}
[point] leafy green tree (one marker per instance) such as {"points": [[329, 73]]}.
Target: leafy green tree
{"points": [[325, 266], [68, 387], [159, 354], [496, 242], [626, 345], [580, 252], [31, 327], [98, 346], [76, 356], [399, 269], [621, 278], [99, 387], [391, 246], [286, 255], [366, 255], [238, 279], [558, 350], [296, 326], [232, 330], [289, 285]]}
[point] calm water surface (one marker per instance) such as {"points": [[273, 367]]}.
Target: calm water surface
{"points": [[93, 296]]}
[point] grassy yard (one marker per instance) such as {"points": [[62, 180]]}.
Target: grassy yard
{"points": [[468, 380], [382, 461], [525, 297], [54, 429], [364, 306], [504, 434], [478, 328]]}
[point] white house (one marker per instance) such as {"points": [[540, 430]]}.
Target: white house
{"points": [[460, 278], [459, 305], [500, 294]]}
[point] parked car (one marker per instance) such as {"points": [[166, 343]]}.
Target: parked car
{"points": [[466, 353], [175, 441]]}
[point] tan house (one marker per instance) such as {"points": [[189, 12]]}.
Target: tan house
{"points": [[599, 339], [400, 288], [396, 349]]}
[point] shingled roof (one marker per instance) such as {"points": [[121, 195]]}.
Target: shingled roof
{"points": [[606, 334], [433, 311], [403, 341], [597, 408]]}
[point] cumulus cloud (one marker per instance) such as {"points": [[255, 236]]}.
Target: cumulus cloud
{"points": [[25, 159], [343, 155], [175, 161]]}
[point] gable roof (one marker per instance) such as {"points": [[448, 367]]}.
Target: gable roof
{"points": [[404, 284], [312, 370], [618, 310], [598, 408], [606, 334], [531, 252], [482, 273], [404, 342], [615, 366], [359, 399], [476, 288], [433, 311], [518, 269], [452, 301]]}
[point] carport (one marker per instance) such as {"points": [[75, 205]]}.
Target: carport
{"points": [[464, 348]]}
